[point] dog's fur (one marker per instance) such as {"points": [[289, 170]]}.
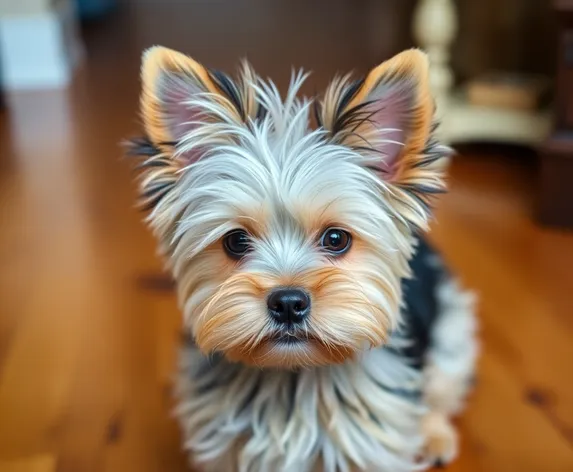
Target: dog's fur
{"points": [[375, 375]]}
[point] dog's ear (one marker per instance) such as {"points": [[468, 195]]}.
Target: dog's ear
{"points": [[388, 118], [171, 81], [185, 110], [179, 95]]}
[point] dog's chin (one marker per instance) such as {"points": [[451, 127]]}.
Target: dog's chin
{"points": [[291, 352]]}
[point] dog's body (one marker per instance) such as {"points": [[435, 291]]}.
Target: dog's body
{"points": [[325, 335]]}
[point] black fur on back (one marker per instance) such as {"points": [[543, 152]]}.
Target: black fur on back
{"points": [[421, 307]]}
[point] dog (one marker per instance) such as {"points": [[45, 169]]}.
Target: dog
{"points": [[323, 332]]}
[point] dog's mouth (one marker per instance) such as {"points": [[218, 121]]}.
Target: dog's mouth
{"points": [[295, 348], [288, 338]]}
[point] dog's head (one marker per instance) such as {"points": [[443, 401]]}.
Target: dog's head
{"points": [[287, 243]]}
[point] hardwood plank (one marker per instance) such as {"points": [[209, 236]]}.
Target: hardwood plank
{"points": [[522, 273], [42, 463]]}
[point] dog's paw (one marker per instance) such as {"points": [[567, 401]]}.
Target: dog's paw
{"points": [[440, 439]]}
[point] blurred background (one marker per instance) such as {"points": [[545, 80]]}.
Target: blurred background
{"points": [[88, 320]]}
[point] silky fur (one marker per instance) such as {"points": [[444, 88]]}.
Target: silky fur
{"points": [[223, 154], [361, 415], [374, 414]]}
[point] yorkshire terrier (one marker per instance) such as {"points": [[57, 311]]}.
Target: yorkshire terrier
{"points": [[324, 334]]}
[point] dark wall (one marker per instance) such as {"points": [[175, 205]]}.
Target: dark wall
{"points": [[325, 36], [329, 36], [505, 34]]}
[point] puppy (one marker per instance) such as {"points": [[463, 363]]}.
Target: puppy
{"points": [[324, 334]]}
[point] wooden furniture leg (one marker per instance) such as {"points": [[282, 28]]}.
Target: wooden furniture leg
{"points": [[435, 27]]}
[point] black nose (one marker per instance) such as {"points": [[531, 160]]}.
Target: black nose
{"points": [[288, 305]]}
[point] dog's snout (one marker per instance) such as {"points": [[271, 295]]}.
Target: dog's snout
{"points": [[288, 305]]}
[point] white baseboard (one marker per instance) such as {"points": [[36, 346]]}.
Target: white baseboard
{"points": [[40, 51]]}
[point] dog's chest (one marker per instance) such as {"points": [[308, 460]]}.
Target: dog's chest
{"points": [[238, 418]]}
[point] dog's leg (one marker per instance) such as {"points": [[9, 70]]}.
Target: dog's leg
{"points": [[449, 369], [441, 439]]}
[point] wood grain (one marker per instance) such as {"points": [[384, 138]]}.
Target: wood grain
{"points": [[89, 325]]}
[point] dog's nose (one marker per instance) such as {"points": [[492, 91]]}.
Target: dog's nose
{"points": [[288, 305]]}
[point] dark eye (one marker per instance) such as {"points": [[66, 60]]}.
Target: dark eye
{"points": [[237, 243], [336, 241]]}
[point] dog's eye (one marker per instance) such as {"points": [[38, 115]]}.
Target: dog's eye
{"points": [[237, 243], [336, 241]]}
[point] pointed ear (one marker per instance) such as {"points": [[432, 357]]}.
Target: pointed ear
{"points": [[186, 110], [388, 115], [171, 83], [388, 119]]}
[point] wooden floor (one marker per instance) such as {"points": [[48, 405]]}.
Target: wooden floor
{"points": [[88, 326]]}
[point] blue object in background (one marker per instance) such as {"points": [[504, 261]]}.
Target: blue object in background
{"points": [[93, 9]]}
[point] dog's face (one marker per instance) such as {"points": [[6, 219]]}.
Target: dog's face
{"points": [[287, 244]]}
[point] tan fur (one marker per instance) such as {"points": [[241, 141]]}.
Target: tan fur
{"points": [[440, 438], [216, 325], [443, 394]]}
